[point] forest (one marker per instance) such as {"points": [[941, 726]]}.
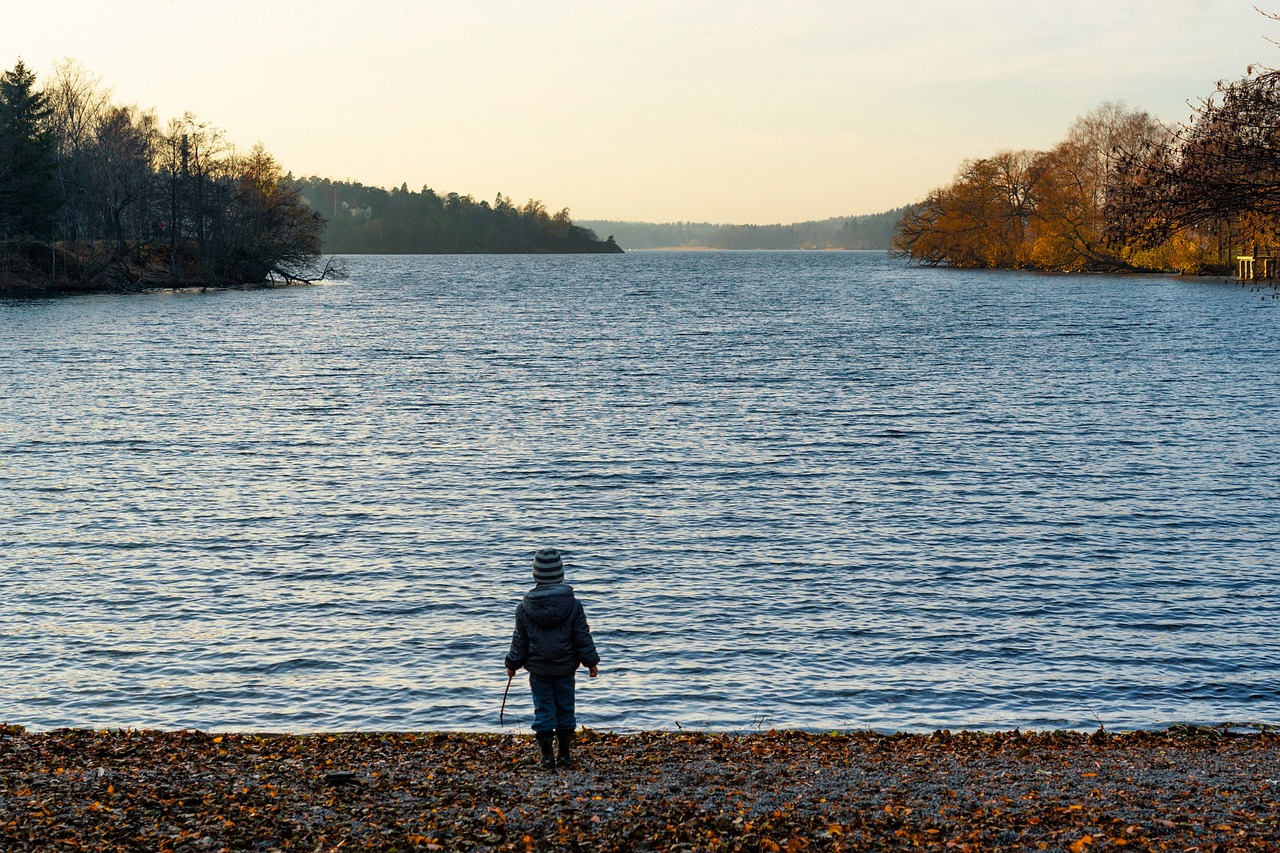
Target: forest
{"points": [[1120, 192], [872, 231], [96, 195], [364, 220]]}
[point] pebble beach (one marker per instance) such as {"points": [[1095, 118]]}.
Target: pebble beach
{"points": [[1182, 788]]}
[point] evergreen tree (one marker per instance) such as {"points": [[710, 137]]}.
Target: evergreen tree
{"points": [[374, 220], [27, 200]]}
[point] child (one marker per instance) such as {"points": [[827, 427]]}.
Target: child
{"points": [[551, 639]]}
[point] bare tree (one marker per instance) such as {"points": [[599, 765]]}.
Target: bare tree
{"points": [[1072, 206], [1221, 169], [125, 153], [77, 102]]}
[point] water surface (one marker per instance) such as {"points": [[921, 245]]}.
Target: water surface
{"points": [[794, 489]]}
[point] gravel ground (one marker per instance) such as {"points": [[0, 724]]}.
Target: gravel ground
{"points": [[1179, 789]]}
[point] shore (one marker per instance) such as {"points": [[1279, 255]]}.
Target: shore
{"points": [[1178, 789]]}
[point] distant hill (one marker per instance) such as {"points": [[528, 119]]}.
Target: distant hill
{"points": [[361, 219], [871, 231]]}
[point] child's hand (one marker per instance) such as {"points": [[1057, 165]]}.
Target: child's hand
{"points": [[593, 671]]}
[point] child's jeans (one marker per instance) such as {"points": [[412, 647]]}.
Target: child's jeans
{"points": [[552, 703]]}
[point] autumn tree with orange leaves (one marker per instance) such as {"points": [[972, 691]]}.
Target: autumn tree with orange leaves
{"points": [[1031, 209], [1120, 192]]}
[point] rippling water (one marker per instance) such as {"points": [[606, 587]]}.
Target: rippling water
{"points": [[794, 489]]}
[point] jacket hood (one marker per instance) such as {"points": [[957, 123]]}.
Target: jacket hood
{"points": [[549, 605]]}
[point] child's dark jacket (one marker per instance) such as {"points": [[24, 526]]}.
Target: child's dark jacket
{"points": [[551, 637]]}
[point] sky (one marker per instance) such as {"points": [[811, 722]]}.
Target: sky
{"points": [[653, 110]]}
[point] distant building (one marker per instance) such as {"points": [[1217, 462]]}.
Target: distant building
{"points": [[365, 212]]}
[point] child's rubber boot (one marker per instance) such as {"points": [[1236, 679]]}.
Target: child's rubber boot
{"points": [[565, 736], [548, 761]]}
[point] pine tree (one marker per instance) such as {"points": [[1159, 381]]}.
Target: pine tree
{"points": [[27, 199]]}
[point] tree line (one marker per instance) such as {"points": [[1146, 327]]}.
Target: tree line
{"points": [[95, 194], [98, 195], [363, 219], [1120, 192], [871, 231]]}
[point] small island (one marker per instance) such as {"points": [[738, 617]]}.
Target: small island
{"points": [[100, 197]]}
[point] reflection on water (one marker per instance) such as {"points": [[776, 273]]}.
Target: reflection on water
{"points": [[794, 489]]}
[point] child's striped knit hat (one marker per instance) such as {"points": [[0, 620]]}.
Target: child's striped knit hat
{"points": [[547, 567]]}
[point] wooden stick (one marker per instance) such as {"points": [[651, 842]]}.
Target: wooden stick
{"points": [[503, 710]]}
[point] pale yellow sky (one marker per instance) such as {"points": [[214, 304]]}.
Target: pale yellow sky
{"points": [[738, 111]]}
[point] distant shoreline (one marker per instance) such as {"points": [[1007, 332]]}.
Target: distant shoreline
{"points": [[818, 249], [865, 231]]}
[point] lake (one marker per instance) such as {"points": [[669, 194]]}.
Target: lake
{"points": [[818, 490]]}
